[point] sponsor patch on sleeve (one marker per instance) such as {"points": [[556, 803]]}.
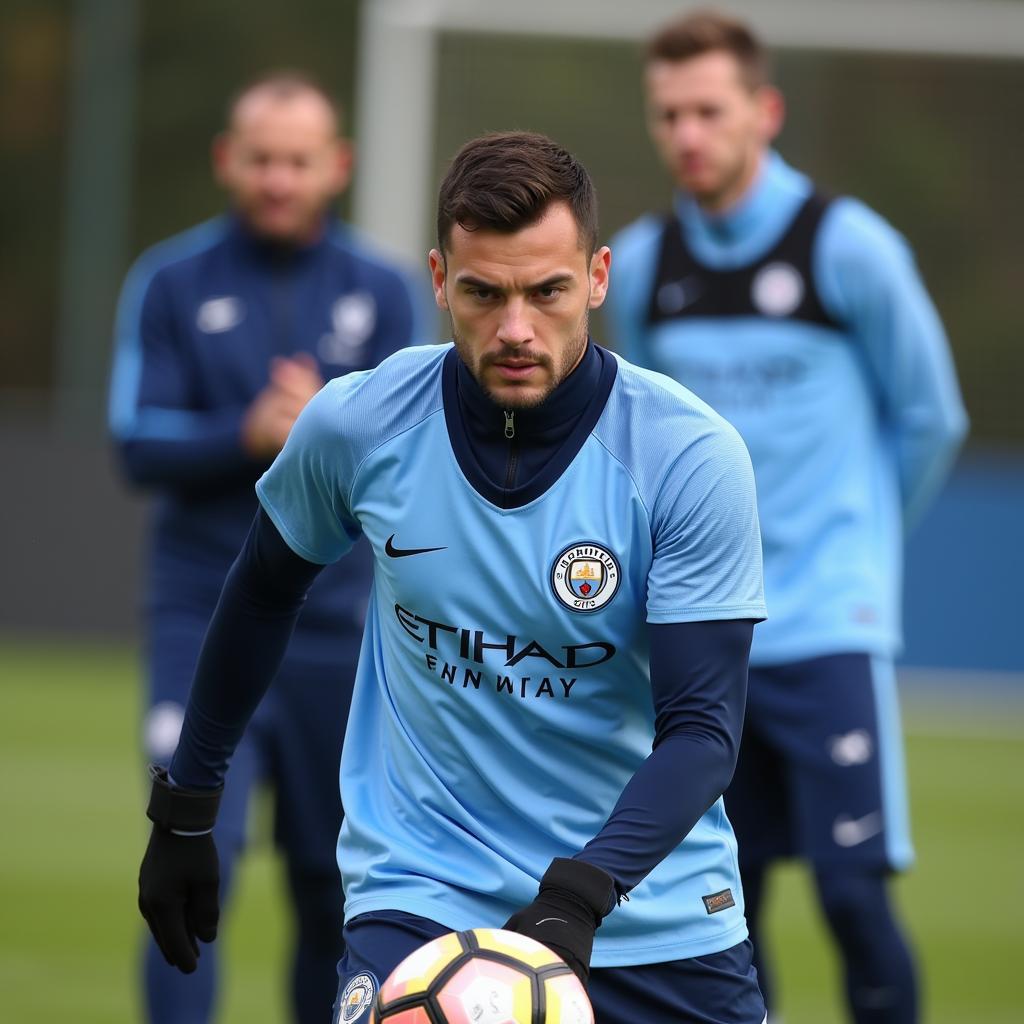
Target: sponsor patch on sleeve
{"points": [[718, 901]]}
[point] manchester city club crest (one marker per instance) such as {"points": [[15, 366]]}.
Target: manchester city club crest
{"points": [[355, 999], [585, 577]]}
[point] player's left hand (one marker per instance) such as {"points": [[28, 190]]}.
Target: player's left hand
{"points": [[574, 898]]}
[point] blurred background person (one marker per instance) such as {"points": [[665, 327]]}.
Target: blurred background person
{"points": [[223, 334], [803, 320]]}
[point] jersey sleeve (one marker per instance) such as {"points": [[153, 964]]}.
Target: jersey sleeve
{"points": [[164, 439], [707, 541], [306, 492], [149, 368], [868, 276]]}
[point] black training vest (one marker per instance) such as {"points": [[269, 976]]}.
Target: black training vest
{"points": [[780, 285]]}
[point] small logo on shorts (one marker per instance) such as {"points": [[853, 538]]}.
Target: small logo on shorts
{"points": [[851, 748], [847, 831], [718, 901], [356, 998], [585, 577]]}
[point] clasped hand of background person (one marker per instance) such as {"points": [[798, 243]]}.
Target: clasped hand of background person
{"points": [[294, 381]]}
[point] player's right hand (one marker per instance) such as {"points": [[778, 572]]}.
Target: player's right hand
{"points": [[267, 422], [180, 874], [573, 899]]}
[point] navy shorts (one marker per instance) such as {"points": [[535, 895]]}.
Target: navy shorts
{"points": [[718, 988], [293, 743], [820, 772]]}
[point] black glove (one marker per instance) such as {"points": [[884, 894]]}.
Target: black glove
{"points": [[180, 875], [574, 898]]}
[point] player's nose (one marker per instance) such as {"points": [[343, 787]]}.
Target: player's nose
{"points": [[515, 327], [279, 179], [687, 133]]}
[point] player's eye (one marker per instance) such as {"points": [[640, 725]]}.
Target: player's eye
{"points": [[549, 292], [481, 294]]}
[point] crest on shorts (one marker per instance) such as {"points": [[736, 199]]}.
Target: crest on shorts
{"points": [[356, 998], [585, 576]]}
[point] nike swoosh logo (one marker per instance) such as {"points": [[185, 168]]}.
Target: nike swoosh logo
{"points": [[544, 920], [394, 552], [675, 296], [847, 831]]}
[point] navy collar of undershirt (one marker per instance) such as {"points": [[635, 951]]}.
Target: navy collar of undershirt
{"points": [[549, 435]]}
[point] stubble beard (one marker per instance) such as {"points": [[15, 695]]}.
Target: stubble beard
{"points": [[571, 355], [732, 185]]}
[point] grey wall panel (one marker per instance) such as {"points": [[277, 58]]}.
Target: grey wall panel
{"points": [[70, 536]]}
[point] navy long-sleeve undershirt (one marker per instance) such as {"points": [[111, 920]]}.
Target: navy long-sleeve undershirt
{"points": [[263, 594], [698, 683], [699, 686]]}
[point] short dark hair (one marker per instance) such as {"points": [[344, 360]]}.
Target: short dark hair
{"points": [[285, 84], [709, 31], [504, 181]]}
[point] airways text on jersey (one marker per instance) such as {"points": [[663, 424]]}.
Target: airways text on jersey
{"points": [[456, 654]]}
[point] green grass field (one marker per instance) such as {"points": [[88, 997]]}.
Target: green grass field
{"points": [[73, 833]]}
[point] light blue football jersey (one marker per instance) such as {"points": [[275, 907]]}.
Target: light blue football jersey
{"points": [[503, 694], [850, 429]]}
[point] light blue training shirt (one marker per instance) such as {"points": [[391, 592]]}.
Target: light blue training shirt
{"points": [[503, 699]]}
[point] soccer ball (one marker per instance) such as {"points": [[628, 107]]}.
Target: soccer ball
{"points": [[484, 976]]}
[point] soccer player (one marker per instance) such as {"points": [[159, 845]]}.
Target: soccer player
{"points": [[803, 321], [223, 334], [551, 686]]}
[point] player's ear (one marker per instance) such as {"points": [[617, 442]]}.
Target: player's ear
{"points": [[438, 275], [343, 158], [600, 270], [771, 112], [220, 157]]}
